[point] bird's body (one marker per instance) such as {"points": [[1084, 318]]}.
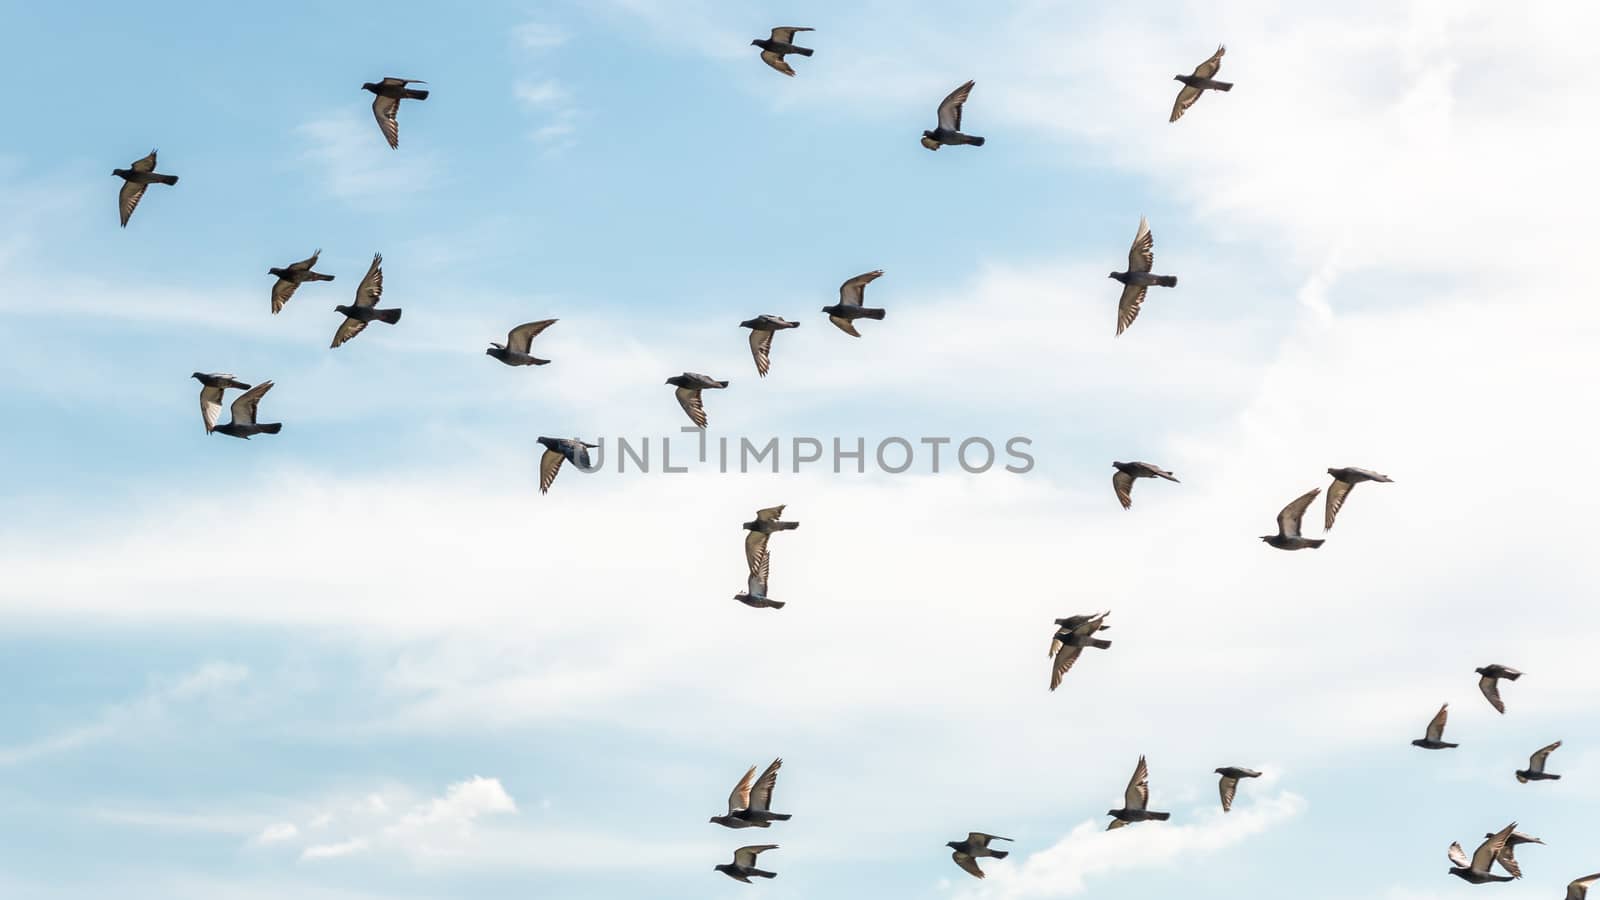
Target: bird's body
{"points": [[1343, 480], [1136, 801], [852, 294], [1122, 482], [1072, 635], [212, 385], [779, 45], [1478, 869], [1489, 683], [1203, 79], [750, 804], [1229, 783], [967, 853], [1535, 770], [139, 175], [557, 451], [1138, 279], [243, 423], [689, 385], [516, 351], [948, 131], [743, 868], [1289, 520], [766, 522], [1433, 738], [386, 104], [755, 592], [290, 278], [762, 328], [365, 309]]}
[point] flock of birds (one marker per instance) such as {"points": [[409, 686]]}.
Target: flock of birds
{"points": [[750, 804]]}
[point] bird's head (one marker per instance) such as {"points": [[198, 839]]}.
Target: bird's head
{"points": [[341, 308], [950, 844], [369, 86], [198, 377], [1218, 771], [749, 323], [1268, 537], [1177, 78], [277, 271], [119, 173], [493, 347], [756, 42], [1113, 274]]}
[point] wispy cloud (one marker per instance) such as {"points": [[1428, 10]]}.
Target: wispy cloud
{"points": [[357, 166], [442, 826], [539, 36]]}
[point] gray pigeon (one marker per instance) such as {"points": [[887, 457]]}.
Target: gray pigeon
{"points": [[290, 278], [761, 330], [243, 411], [515, 351], [1433, 738], [365, 309], [1477, 871], [755, 593], [1343, 480], [948, 131], [1080, 625], [1507, 857], [1489, 684], [386, 104], [689, 385], [781, 43], [558, 450], [743, 867], [851, 294], [1072, 635], [1535, 770], [755, 543], [135, 179], [1137, 280], [1122, 482], [1204, 79], [211, 387], [1230, 783], [750, 804], [1289, 519], [967, 853], [1136, 801], [1579, 888]]}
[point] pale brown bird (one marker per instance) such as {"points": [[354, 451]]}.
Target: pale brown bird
{"points": [[1343, 481]]}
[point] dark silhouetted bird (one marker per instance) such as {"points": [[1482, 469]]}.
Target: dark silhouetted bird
{"points": [[1343, 481], [967, 853], [1289, 520], [1077, 625], [1477, 871], [750, 804], [1433, 738], [1072, 635], [290, 278], [1204, 79], [1137, 280], [365, 309], [851, 295], [743, 867], [689, 385], [1489, 684], [1579, 888], [138, 176], [948, 130], [775, 48], [1136, 801], [761, 330], [1230, 783], [211, 387], [557, 450], [755, 543], [243, 410], [1122, 482], [515, 351], [755, 593], [1535, 770], [386, 104]]}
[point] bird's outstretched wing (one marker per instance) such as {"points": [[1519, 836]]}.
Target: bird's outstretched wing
{"points": [[1122, 483], [854, 291], [967, 864], [1436, 725], [950, 107], [370, 290], [740, 798], [128, 199], [761, 350], [521, 337], [784, 34], [1336, 494], [549, 465], [1289, 517], [689, 399], [384, 109], [761, 792], [1137, 796]]}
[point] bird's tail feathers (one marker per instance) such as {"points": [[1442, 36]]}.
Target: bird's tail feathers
{"points": [[999, 854], [868, 312], [318, 276], [389, 316], [1098, 643], [762, 873], [778, 604], [786, 526], [538, 362], [975, 141], [1160, 816], [780, 817], [1167, 281], [167, 179], [804, 51], [271, 428], [1314, 543], [1222, 85], [419, 94]]}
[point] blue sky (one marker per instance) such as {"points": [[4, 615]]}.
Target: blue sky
{"points": [[364, 658]]}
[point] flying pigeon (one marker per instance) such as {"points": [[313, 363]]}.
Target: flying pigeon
{"points": [[1080, 625], [1203, 79], [243, 411], [1289, 518], [1122, 482], [743, 867], [1136, 800], [557, 450], [851, 294], [211, 387], [136, 178], [1135, 281], [949, 128], [755, 594], [1489, 684], [967, 853], [1230, 783], [386, 104], [761, 330], [1579, 889], [1072, 635], [689, 385], [749, 806], [755, 543], [1343, 481], [773, 49], [1507, 857], [515, 351], [291, 277], [366, 308], [1535, 770], [1477, 871], [1433, 738]]}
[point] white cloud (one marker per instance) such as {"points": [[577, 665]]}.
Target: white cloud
{"points": [[335, 851], [538, 36], [277, 833], [441, 827]]}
